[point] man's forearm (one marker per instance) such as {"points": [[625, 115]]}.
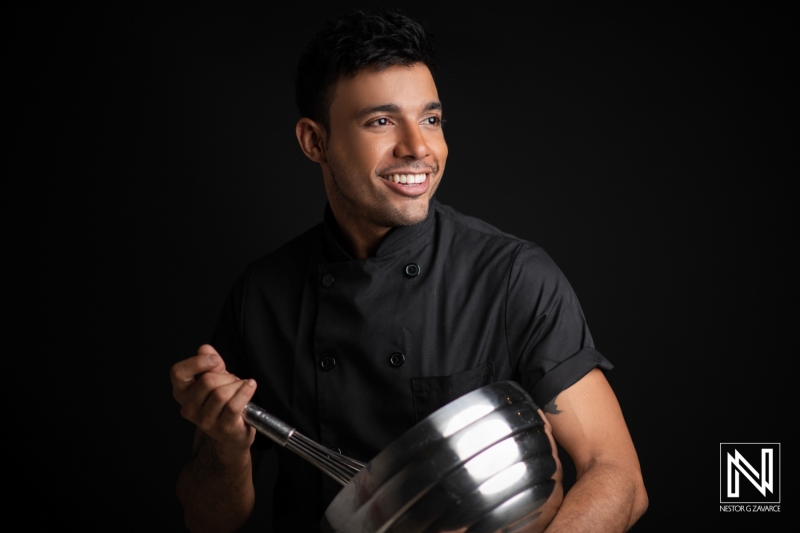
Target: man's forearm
{"points": [[216, 491], [603, 500]]}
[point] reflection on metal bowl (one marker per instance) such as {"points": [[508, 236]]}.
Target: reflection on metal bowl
{"points": [[484, 462]]}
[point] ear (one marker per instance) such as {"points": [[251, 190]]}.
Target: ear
{"points": [[311, 136]]}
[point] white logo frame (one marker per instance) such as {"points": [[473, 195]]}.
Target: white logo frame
{"points": [[734, 466]]}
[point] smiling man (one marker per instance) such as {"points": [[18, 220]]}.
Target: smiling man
{"points": [[382, 153], [390, 308]]}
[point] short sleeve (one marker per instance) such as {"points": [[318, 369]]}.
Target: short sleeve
{"points": [[549, 342]]}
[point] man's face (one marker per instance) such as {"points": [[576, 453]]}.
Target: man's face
{"points": [[385, 152]]}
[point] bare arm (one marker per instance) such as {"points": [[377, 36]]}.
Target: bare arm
{"points": [[215, 486], [609, 494]]}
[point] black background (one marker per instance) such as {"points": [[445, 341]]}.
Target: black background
{"points": [[647, 150]]}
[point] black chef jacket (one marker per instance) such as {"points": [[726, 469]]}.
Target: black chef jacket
{"points": [[354, 352]]}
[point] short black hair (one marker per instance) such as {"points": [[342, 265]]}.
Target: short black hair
{"points": [[375, 39]]}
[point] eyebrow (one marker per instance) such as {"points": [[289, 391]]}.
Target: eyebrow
{"points": [[394, 108]]}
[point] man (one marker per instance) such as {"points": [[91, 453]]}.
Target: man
{"points": [[392, 307]]}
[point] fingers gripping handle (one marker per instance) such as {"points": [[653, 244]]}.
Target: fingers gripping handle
{"points": [[266, 424]]}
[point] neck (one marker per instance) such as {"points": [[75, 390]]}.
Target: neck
{"points": [[361, 239]]}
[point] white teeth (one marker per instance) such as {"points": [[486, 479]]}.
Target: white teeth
{"points": [[407, 178]]}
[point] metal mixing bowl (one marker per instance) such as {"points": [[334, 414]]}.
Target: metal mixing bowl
{"points": [[484, 462]]}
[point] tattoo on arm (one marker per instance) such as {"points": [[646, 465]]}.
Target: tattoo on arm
{"points": [[551, 407]]}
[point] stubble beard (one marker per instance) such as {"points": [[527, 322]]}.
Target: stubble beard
{"points": [[379, 211]]}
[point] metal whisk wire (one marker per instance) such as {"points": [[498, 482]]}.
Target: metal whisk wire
{"points": [[339, 467]]}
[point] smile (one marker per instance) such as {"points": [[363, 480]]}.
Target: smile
{"points": [[410, 179]]}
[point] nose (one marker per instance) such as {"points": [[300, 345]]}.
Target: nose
{"points": [[411, 142]]}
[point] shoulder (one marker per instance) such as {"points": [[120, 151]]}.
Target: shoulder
{"points": [[478, 233], [293, 253], [468, 225], [527, 265], [285, 264]]}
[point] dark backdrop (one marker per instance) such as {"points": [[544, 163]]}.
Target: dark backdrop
{"points": [[648, 151]]}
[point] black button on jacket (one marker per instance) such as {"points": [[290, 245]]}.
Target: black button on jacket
{"points": [[483, 306]]}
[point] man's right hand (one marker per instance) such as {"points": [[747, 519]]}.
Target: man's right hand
{"points": [[213, 399]]}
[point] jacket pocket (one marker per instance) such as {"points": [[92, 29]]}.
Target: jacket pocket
{"points": [[431, 393]]}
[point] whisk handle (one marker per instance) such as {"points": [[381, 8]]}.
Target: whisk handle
{"points": [[266, 424]]}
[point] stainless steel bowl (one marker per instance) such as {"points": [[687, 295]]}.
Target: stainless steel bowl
{"points": [[484, 462]]}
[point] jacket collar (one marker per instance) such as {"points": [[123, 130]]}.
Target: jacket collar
{"points": [[397, 238]]}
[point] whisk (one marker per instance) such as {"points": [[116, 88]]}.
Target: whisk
{"points": [[337, 466]]}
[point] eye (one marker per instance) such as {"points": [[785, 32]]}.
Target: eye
{"points": [[432, 121], [383, 121]]}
